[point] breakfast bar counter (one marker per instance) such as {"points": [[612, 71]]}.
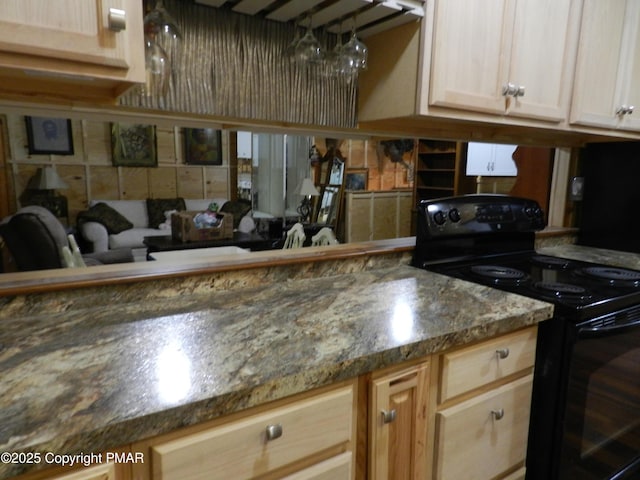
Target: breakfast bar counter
{"points": [[93, 378]]}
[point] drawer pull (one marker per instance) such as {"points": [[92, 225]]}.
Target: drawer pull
{"points": [[117, 19], [388, 417], [274, 431], [497, 414], [502, 353]]}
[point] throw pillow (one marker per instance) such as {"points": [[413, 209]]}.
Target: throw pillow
{"points": [[107, 216], [237, 208], [157, 206]]}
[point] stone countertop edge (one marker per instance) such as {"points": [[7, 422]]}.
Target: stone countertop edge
{"points": [[88, 381]]}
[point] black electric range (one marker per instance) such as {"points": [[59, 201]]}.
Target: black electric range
{"points": [[585, 410]]}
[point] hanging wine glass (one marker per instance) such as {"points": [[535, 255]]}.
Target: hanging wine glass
{"points": [[355, 51], [157, 68], [160, 26], [308, 50], [337, 63], [290, 50]]}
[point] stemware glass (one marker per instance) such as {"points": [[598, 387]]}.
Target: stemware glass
{"points": [[308, 50], [290, 51], [160, 26], [355, 52], [157, 67]]}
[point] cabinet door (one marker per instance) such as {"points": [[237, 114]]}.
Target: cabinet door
{"points": [[608, 65], [244, 144], [482, 437], [471, 50], [398, 428], [542, 58], [66, 29], [490, 159]]}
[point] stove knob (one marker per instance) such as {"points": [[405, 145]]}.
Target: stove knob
{"points": [[528, 211], [454, 215], [439, 218]]}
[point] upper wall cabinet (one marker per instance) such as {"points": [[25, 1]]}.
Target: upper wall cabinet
{"points": [[78, 50], [607, 80], [504, 56]]}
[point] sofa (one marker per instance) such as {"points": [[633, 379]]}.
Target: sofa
{"points": [[113, 224], [34, 239]]}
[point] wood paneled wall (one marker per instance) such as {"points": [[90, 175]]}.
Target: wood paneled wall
{"points": [[91, 175], [383, 174]]}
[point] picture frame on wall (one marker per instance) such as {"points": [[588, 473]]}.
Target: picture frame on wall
{"points": [[133, 145], [49, 136], [202, 146], [357, 179]]}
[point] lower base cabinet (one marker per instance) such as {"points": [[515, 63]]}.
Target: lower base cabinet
{"points": [[481, 420], [309, 438], [398, 424]]}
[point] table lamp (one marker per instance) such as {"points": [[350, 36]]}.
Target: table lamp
{"points": [[307, 189], [41, 191]]}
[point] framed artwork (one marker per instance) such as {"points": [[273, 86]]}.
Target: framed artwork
{"points": [[203, 146], [133, 145], [357, 179], [47, 135]]}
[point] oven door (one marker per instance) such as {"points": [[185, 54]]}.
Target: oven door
{"points": [[601, 438]]}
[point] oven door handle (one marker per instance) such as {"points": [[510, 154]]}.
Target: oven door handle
{"points": [[598, 332]]}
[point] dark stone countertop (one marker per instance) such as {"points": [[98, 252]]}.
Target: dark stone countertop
{"points": [[92, 379]]}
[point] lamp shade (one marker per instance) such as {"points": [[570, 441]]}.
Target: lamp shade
{"points": [[308, 188], [46, 179]]}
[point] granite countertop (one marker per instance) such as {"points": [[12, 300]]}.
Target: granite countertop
{"points": [[93, 379]]}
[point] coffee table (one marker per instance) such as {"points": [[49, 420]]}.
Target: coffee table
{"points": [[251, 241]]}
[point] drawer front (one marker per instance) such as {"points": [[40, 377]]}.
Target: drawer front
{"points": [[470, 368], [472, 443], [335, 468], [241, 449], [104, 471]]}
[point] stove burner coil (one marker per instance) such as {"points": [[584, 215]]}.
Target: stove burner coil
{"points": [[613, 275], [561, 288], [556, 263], [499, 274]]}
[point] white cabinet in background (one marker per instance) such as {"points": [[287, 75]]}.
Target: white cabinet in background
{"points": [[607, 79], [244, 144], [489, 159], [504, 57]]}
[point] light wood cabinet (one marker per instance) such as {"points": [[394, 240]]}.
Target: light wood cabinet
{"points": [[105, 471], [482, 413], [607, 78], [70, 49], [378, 215], [504, 57], [304, 438], [398, 424]]}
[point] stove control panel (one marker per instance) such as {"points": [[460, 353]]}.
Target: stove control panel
{"points": [[477, 214]]}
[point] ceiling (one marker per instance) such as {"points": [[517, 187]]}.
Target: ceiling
{"points": [[335, 16]]}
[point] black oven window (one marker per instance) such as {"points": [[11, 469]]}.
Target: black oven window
{"points": [[602, 424]]}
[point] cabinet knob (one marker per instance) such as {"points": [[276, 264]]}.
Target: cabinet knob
{"points": [[625, 110], [274, 431], [509, 90], [117, 19], [502, 353], [388, 416], [519, 91], [498, 414]]}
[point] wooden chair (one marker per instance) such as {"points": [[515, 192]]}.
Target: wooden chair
{"points": [[324, 237], [295, 237]]}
